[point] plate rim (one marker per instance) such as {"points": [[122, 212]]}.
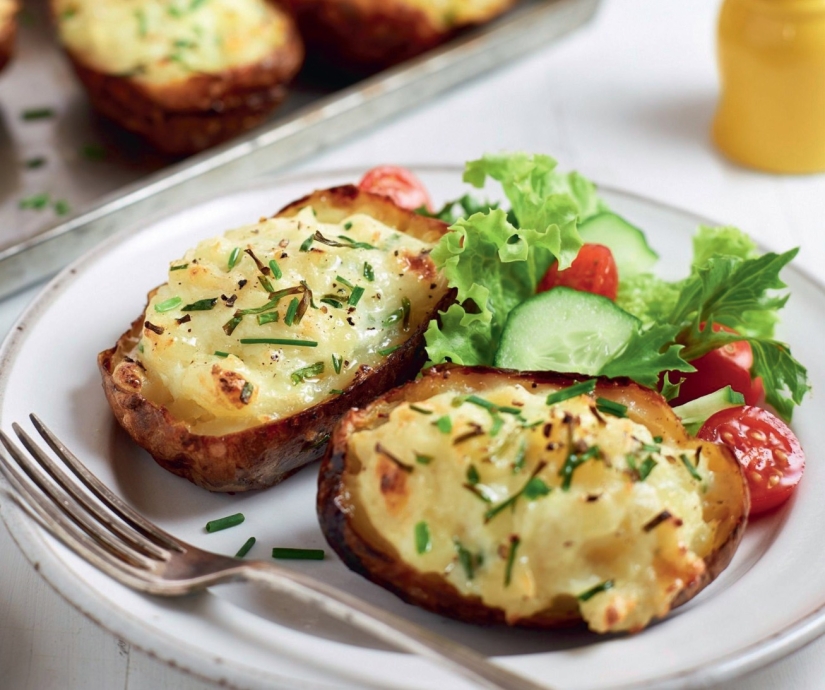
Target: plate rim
{"points": [[46, 560]]}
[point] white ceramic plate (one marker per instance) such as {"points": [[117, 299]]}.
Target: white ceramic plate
{"points": [[770, 601]]}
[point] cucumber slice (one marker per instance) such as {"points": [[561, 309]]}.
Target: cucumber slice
{"points": [[630, 249], [564, 330], [696, 412]]}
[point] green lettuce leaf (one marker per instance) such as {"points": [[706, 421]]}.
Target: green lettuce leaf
{"points": [[648, 297], [725, 240]]}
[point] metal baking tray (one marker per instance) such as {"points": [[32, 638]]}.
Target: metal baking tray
{"points": [[101, 178]]}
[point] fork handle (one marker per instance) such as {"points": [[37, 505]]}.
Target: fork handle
{"points": [[387, 627]]}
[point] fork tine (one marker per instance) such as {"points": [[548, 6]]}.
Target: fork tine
{"points": [[45, 513], [111, 501], [60, 498], [130, 536]]}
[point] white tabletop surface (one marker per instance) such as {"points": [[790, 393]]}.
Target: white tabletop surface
{"points": [[627, 101]]}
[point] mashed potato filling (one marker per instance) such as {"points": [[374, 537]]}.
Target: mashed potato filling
{"points": [[530, 506], [273, 318], [165, 41]]}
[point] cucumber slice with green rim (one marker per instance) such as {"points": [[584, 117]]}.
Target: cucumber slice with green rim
{"points": [[631, 252], [564, 330], [696, 412]]}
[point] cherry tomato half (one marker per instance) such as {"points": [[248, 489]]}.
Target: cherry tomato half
{"points": [[766, 448], [729, 365], [593, 270], [397, 183]]}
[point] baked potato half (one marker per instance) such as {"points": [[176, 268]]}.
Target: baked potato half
{"points": [[8, 30], [263, 338], [369, 35], [183, 74], [472, 493]]}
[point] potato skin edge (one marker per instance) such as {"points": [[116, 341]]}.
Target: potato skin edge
{"points": [[8, 35], [364, 36], [265, 455], [204, 110], [378, 562]]}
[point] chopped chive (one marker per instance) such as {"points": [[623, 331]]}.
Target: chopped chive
{"points": [[298, 554], [649, 448], [347, 226], [521, 456], [355, 245], [61, 207], [481, 402], [331, 301], [265, 284], [535, 488], [248, 544], [168, 304], [535, 492], [658, 439], [610, 407], [291, 310], [307, 243], [218, 353], [355, 297], [36, 202], [593, 591], [646, 468], [422, 459], [246, 392], [310, 371], [573, 391], [690, 467], [444, 424], [230, 326], [93, 152], [498, 422], [511, 559], [466, 559], [573, 462], [344, 281], [369, 274], [423, 543], [233, 257], [473, 477], [336, 363], [276, 270], [389, 350], [224, 522], [179, 267], [278, 341], [37, 114], [201, 305], [336, 391], [419, 409], [268, 317], [35, 162]]}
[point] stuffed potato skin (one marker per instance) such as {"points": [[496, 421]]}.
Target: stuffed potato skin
{"points": [[185, 111], [265, 454], [367, 551], [8, 30], [370, 35]]}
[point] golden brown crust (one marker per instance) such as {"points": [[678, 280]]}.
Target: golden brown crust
{"points": [[366, 552], [199, 112], [365, 35], [8, 33], [264, 455]]}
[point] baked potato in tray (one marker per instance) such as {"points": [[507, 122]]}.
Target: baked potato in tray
{"points": [[469, 493], [8, 30], [369, 35], [341, 281], [183, 74]]}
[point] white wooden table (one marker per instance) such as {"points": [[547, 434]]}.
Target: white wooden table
{"points": [[628, 102]]}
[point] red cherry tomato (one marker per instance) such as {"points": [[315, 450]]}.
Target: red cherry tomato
{"points": [[593, 270], [766, 448], [397, 183], [729, 365]]}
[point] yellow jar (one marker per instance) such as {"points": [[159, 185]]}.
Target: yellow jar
{"points": [[771, 113]]}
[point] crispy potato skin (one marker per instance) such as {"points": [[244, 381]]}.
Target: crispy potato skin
{"points": [[191, 115], [264, 455], [8, 33], [367, 36], [366, 552]]}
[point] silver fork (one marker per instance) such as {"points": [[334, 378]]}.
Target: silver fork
{"points": [[135, 552]]}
